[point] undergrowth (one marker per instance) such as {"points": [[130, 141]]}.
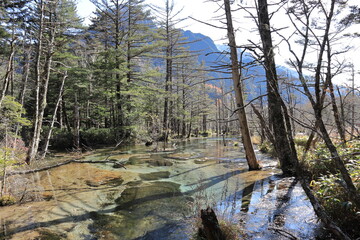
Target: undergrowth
{"points": [[328, 185]]}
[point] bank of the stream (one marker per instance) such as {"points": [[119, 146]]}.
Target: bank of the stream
{"points": [[159, 195]]}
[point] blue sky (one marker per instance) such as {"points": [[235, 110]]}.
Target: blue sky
{"points": [[246, 29]]}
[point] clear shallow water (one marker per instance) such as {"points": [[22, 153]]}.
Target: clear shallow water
{"points": [[162, 192]]}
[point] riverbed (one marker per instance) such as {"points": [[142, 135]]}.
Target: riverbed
{"points": [[158, 195]]}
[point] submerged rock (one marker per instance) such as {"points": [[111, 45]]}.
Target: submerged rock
{"points": [[200, 161], [142, 210], [180, 156], [133, 183], [160, 163], [154, 160], [137, 160], [154, 175], [116, 181], [154, 191]]}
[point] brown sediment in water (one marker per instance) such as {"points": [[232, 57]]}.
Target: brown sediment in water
{"points": [[69, 192]]}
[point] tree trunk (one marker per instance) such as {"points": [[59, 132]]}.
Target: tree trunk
{"points": [[25, 77], [9, 69], [275, 104], [66, 118], [48, 136], [342, 110], [76, 123], [34, 143], [335, 110], [245, 133]]}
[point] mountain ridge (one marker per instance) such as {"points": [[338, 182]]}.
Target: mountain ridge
{"points": [[253, 76]]}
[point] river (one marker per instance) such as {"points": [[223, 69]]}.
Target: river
{"points": [[159, 195]]}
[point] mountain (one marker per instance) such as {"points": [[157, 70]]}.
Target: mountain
{"points": [[211, 56]]}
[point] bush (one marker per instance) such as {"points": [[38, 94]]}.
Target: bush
{"points": [[98, 136], [7, 200], [337, 204], [301, 141], [61, 139], [328, 185], [267, 147]]}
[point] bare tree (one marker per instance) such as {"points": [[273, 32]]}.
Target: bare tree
{"points": [[303, 11], [245, 133], [48, 135]]}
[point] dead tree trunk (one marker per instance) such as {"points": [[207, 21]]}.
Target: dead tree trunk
{"points": [[245, 133], [211, 228], [335, 109], [47, 139]]}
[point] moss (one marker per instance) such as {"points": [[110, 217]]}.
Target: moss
{"points": [[180, 156]]}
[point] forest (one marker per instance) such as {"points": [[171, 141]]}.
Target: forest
{"points": [[135, 90]]}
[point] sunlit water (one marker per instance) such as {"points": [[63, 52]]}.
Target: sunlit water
{"points": [[160, 195]]}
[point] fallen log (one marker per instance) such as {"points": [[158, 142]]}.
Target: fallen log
{"points": [[62, 164]]}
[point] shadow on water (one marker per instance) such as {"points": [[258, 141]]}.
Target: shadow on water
{"points": [[272, 208]]}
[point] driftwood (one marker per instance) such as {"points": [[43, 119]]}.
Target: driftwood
{"points": [[211, 229], [62, 164]]}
